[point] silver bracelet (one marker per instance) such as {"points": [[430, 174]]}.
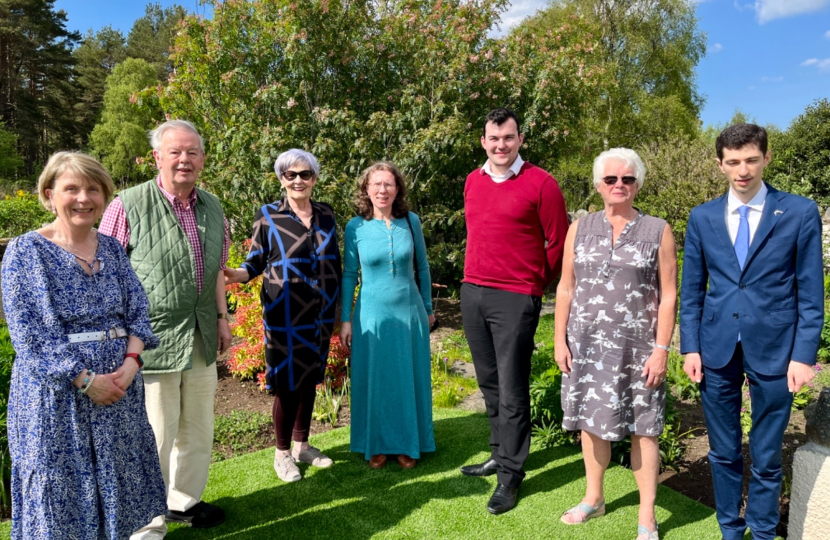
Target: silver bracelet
{"points": [[664, 347], [87, 382]]}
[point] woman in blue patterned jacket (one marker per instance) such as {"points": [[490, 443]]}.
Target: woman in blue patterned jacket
{"points": [[84, 461], [294, 247]]}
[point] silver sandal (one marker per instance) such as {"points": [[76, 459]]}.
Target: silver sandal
{"points": [[583, 512]]}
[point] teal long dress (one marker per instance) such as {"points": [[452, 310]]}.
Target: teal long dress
{"points": [[391, 407]]}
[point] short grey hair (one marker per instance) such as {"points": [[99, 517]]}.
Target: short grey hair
{"points": [[289, 158], [157, 134], [625, 155]]}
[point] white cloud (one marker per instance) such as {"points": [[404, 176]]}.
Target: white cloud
{"points": [[717, 47], [822, 65], [769, 10], [772, 79], [827, 34], [518, 10], [751, 88]]}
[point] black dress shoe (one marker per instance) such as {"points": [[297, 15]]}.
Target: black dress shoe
{"points": [[503, 499], [482, 469], [200, 516]]}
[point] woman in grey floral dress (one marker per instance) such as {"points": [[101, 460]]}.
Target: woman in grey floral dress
{"points": [[615, 314]]}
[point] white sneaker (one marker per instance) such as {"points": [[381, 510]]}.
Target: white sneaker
{"points": [[314, 457], [286, 468]]}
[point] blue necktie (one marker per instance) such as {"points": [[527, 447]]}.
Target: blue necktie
{"points": [[742, 238]]}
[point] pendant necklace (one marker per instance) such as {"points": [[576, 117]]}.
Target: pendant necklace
{"points": [[76, 253]]}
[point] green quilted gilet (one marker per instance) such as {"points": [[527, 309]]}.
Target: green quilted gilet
{"points": [[161, 256]]}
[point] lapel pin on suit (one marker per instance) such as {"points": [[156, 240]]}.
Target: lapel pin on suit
{"points": [[777, 212]]}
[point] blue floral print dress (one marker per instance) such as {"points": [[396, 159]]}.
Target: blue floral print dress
{"points": [[79, 470]]}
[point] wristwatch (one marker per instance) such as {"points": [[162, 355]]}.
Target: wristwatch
{"points": [[137, 358], [664, 347], [222, 315]]}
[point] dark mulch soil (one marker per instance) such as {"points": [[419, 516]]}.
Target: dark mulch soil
{"points": [[235, 395]]}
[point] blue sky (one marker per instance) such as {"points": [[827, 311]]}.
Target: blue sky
{"points": [[768, 58]]}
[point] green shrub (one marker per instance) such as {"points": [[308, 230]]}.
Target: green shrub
{"points": [[7, 355], [21, 214], [546, 391]]}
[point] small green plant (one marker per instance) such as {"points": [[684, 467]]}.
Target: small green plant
{"points": [[238, 432], [455, 347], [7, 356], [546, 391], [448, 389], [678, 381], [330, 400]]}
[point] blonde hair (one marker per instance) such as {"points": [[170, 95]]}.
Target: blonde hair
{"points": [[80, 165]]}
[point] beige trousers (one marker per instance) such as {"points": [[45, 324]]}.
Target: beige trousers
{"points": [[180, 409]]}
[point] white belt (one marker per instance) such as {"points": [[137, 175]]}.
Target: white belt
{"points": [[112, 333]]}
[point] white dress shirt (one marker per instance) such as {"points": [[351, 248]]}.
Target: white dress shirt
{"points": [[511, 172], [756, 208]]}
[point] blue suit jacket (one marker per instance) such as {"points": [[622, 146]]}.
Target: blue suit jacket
{"points": [[776, 303]]}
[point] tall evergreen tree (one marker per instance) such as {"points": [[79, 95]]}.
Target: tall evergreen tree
{"points": [[36, 68], [152, 36], [96, 57]]}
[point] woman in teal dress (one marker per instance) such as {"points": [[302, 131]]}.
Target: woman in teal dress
{"points": [[388, 334]]}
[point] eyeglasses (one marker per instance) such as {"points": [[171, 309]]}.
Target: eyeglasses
{"points": [[304, 175], [377, 185], [611, 180]]}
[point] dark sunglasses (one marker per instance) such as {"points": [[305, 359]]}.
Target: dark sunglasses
{"points": [[291, 175], [611, 180]]}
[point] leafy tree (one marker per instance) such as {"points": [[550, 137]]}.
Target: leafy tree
{"points": [[120, 139], [96, 58], [36, 89], [645, 52], [152, 35], [355, 82], [801, 155], [681, 173], [10, 160]]}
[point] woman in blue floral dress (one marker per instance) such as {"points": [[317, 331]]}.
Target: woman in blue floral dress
{"points": [[84, 461]]}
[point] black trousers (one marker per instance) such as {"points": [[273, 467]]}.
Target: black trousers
{"points": [[291, 413], [500, 327]]}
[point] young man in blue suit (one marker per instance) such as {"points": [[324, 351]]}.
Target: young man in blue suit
{"points": [[751, 307]]}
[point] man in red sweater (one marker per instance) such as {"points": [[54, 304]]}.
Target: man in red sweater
{"points": [[516, 226]]}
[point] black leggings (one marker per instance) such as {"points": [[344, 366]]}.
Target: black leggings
{"points": [[292, 413]]}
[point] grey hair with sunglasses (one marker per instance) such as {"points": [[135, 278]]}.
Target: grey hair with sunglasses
{"points": [[295, 156], [625, 155]]}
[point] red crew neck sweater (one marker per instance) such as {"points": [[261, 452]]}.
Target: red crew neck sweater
{"points": [[515, 230]]}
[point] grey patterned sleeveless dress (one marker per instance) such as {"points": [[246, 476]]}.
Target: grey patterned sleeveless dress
{"points": [[612, 328]]}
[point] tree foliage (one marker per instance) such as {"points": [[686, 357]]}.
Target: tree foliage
{"points": [[152, 35], [120, 139], [645, 52], [10, 160], [355, 82], [36, 89], [681, 173], [801, 155], [96, 57]]}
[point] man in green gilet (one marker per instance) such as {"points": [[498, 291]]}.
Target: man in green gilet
{"points": [[177, 239]]}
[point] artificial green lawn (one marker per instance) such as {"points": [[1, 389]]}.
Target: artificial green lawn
{"points": [[433, 500]]}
